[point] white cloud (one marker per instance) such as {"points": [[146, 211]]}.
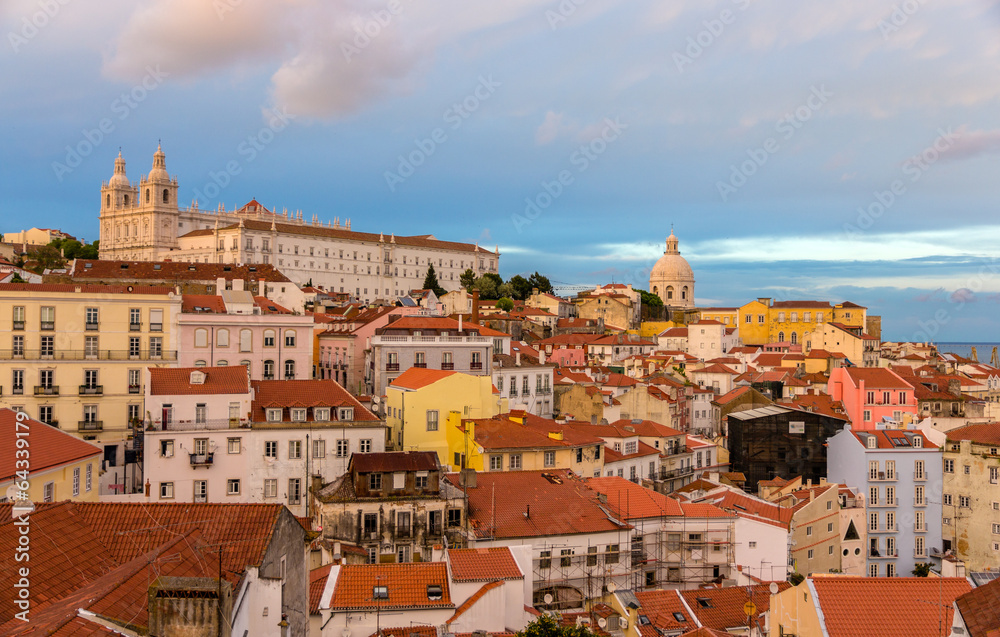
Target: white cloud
{"points": [[549, 129]]}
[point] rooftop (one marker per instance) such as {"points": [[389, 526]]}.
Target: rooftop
{"points": [[407, 585], [483, 564], [165, 381], [50, 447]]}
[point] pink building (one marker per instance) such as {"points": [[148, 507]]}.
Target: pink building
{"points": [[237, 328], [871, 394]]}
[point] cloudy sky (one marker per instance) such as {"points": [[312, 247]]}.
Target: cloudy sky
{"points": [[799, 151]]}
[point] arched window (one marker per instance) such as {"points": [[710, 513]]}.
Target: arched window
{"points": [[201, 337], [199, 363], [245, 363], [222, 363], [166, 196], [147, 195], [135, 230], [246, 341], [684, 292], [126, 200], [268, 370], [268, 338], [670, 291], [126, 231], [781, 337], [289, 338], [289, 370], [656, 290], [222, 338], [107, 202], [795, 338]]}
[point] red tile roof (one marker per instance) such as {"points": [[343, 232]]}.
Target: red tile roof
{"points": [[419, 377], [642, 450], [662, 608], [304, 393], [72, 288], [409, 323], [722, 608], [483, 564], [747, 506], [166, 381], [980, 609], [631, 501], [174, 271], [407, 585], [502, 433], [985, 433], [317, 582], [49, 447], [884, 438], [556, 503], [876, 378], [391, 461], [903, 606], [210, 303]]}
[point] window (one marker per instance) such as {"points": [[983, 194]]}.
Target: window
{"points": [[591, 556], [946, 499], [321, 414], [496, 463], [155, 346], [270, 487], [345, 413], [965, 469], [274, 414], [550, 458], [918, 495], [365, 445], [868, 418], [918, 470], [873, 569], [319, 448], [515, 461], [919, 548], [964, 502], [17, 381], [873, 521], [167, 448], [294, 449], [873, 496], [166, 490], [294, 491], [268, 370], [341, 448], [809, 530], [289, 370], [289, 338], [455, 517], [76, 481], [432, 420], [268, 338], [201, 337], [48, 318], [566, 558], [18, 317], [233, 486], [271, 449], [47, 349], [545, 559], [90, 476], [246, 340], [890, 496], [810, 554], [996, 529], [375, 481], [298, 414], [994, 475], [17, 346], [949, 466], [420, 482]]}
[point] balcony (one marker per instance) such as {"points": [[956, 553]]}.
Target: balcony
{"points": [[82, 355], [919, 527], [46, 390], [91, 425], [47, 326], [134, 389], [919, 502], [202, 459], [18, 325], [392, 367], [51, 423], [17, 390], [420, 365], [476, 365], [197, 425], [676, 473], [91, 390], [91, 327], [156, 327], [135, 327], [447, 366]]}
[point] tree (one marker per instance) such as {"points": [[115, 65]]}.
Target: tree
{"points": [[546, 626], [468, 279], [536, 280], [522, 289], [431, 282], [796, 578], [506, 289], [506, 304], [921, 569], [45, 257], [649, 299], [17, 278], [487, 287]]}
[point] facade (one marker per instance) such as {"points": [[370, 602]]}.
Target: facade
{"points": [[234, 327], [671, 278], [394, 505], [143, 222], [971, 525], [900, 472], [860, 348], [765, 320], [526, 383], [74, 354], [873, 395], [62, 467], [708, 339]]}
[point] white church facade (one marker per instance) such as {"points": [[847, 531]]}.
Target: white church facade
{"points": [[143, 222]]}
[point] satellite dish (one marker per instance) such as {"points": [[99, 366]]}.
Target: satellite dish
{"points": [[622, 623], [11, 492], [612, 587], [548, 598], [773, 588], [602, 622], [374, 400]]}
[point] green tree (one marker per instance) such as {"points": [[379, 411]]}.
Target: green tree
{"points": [[796, 578], [536, 280], [921, 569], [522, 289], [506, 289], [506, 304], [431, 282], [90, 251], [649, 299], [488, 287], [546, 626], [17, 278], [468, 279], [45, 257]]}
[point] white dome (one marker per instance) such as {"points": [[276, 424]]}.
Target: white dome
{"points": [[159, 170], [672, 278], [119, 178]]}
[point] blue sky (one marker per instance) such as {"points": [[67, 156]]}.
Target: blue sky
{"points": [[799, 151]]}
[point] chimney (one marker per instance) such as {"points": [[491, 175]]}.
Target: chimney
{"points": [[459, 323], [467, 478], [475, 306], [237, 285], [541, 356], [517, 359], [220, 285]]}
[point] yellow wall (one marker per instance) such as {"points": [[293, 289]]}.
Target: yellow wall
{"points": [[726, 318], [469, 396], [62, 479], [794, 611], [759, 331], [649, 329], [613, 311], [69, 362], [834, 339]]}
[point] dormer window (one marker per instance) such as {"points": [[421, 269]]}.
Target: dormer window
{"points": [[321, 414], [918, 441], [197, 378], [434, 592], [345, 413], [274, 415], [871, 442], [299, 415]]}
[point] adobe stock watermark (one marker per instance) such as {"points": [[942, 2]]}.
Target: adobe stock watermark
{"points": [[562, 12], [248, 150], [454, 116], [898, 17], [709, 35], [21, 511], [369, 28], [32, 25], [914, 169], [787, 126], [581, 159], [122, 107]]}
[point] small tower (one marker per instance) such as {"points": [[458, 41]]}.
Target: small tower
{"points": [[160, 214], [118, 201]]}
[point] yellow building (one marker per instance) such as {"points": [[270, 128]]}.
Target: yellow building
{"points": [[767, 321], [725, 315], [35, 236], [522, 442], [971, 524], [75, 354], [58, 465], [419, 401]]}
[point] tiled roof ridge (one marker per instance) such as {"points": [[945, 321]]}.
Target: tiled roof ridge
{"points": [[475, 597]]}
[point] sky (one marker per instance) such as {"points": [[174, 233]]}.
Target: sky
{"points": [[799, 150]]}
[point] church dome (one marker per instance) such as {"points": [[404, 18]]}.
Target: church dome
{"points": [[119, 179], [672, 278], [159, 170]]}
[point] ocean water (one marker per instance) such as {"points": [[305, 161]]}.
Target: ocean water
{"points": [[983, 350]]}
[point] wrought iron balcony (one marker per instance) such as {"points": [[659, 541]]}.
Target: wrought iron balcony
{"points": [[91, 390], [91, 425], [202, 459], [46, 390]]}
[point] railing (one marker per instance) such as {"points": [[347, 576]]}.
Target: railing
{"points": [[135, 327], [134, 389], [91, 425], [404, 338], [447, 366], [46, 390], [83, 355], [91, 327], [919, 502], [919, 527], [202, 459], [420, 365], [47, 326], [475, 365], [675, 473], [156, 327], [392, 367], [91, 390], [195, 425], [51, 423], [17, 390], [18, 325], [544, 391]]}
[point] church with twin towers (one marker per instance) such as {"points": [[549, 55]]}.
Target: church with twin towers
{"points": [[143, 221]]}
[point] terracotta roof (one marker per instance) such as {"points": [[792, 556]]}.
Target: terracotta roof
{"points": [[985, 433], [631, 501], [747, 506], [409, 323], [894, 438], [980, 609], [535, 493], [666, 610], [876, 378], [72, 288], [211, 303], [317, 582], [722, 608], [419, 377], [503, 433], [166, 381], [50, 447], [390, 461], [407, 583], [642, 450], [904, 606], [715, 368], [483, 564], [174, 271], [304, 393]]}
